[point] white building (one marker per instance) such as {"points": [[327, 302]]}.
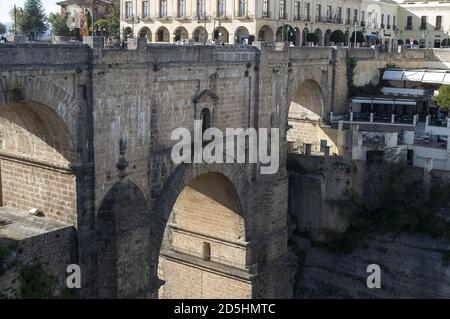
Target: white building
{"points": [[425, 23], [236, 21]]}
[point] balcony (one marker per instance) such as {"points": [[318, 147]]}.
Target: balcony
{"points": [[383, 26], [302, 18], [266, 15], [394, 27], [348, 22], [423, 27], [183, 18], [241, 15], [409, 27]]}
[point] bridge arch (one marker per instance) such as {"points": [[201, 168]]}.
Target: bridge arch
{"points": [[305, 112], [203, 227], [36, 157], [122, 243]]}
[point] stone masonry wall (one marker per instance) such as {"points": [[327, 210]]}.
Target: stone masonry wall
{"points": [[26, 185]]}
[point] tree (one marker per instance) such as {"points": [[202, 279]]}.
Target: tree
{"points": [[2, 28], [113, 19], [32, 22], [59, 26], [442, 100], [337, 36], [359, 37], [312, 37]]}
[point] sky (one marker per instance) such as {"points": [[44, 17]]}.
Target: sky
{"points": [[7, 5]]}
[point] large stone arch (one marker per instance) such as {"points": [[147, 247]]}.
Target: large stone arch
{"points": [[122, 243], [36, 158], [39, 90], [183, 178]]}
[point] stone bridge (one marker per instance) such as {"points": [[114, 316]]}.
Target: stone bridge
{"points": [[85, 137]]}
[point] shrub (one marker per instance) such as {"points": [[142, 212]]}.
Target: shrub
{"points": [[337, 36]]}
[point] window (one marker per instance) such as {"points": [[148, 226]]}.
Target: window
{"points": [[221, 8], [382, 21], [163, 8], [394, 25], [439, 23], [409, 21], [363, 16], [282, 9], [308, 11], [128, 10], [265, 8], [206, 251], [297, 12], [348, 16], [318, 12], [389, 21], [329, 12], [339, 15], [355, 16], [242, 8], [201, 8], [205, 117], [181, 8], [423, 23], [145, 9]]}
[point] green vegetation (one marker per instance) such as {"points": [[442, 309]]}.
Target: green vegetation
{"points": [[312, 37], [392, 66], [442, 100], [59, 25], [351, 66], [2, 28], [33, 279], [359, 37], [32, 22], [401, 206], [337, 36], [112, 20]]}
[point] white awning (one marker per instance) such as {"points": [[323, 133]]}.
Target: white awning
{"points": [[362, 101], [383, 101], [405, 102], [402, 91], [414, 76], [433, 77], [447, 79], [391, 75]]}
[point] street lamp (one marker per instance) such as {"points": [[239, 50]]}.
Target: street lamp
{"points": [[17, 10], [425, 34]]}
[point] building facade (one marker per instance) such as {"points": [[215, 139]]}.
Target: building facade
{"points": [[425, 24], [238, 21], [422, 23]]}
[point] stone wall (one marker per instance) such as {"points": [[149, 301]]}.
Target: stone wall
{"points": [[411, 267], [28, 185]]}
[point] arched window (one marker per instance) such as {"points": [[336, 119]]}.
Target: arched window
{"points": [[205, 117]]}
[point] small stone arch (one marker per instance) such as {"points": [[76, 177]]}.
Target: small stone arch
{"points": [[327, 41], [285, 33], [319, 34], [180, 34], [305, 33], [128, 33], [200, 35], [265, 34], [241, 35], [146, 33], [162, 35], [221, 34]]}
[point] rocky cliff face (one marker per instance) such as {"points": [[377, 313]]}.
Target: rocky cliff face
{"points": [[412, 266]]}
